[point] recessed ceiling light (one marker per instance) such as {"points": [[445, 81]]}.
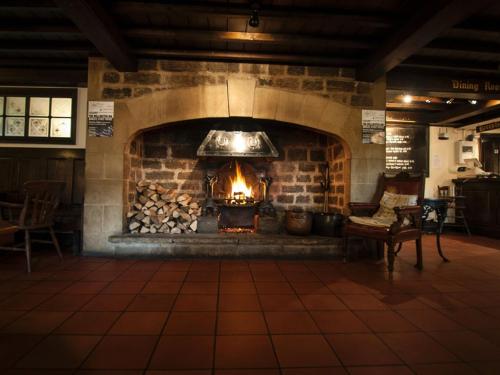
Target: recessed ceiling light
{"points": [[407, 98], [449, 101], [473, 101], [428, 101]]}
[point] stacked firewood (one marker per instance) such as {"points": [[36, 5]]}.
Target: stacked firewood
{"points": [[160, 210]]}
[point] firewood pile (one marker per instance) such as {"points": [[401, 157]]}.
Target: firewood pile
{"points": [[160, 210]]}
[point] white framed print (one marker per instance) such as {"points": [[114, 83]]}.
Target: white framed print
{"points": [[38, 127], [60, 127], [1, 126], [61, 107], [16, 106], [39, 106], [14, 126], [2, 99]]}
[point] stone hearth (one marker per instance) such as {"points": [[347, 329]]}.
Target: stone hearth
{"points": [[225, 245]]}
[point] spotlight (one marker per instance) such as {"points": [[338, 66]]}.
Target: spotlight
{"points": [[428, 101], [449, 101], [254, 20], [473, 101], [407, 99]]}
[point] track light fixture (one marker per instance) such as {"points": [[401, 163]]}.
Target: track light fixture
{"points": [[254, 20]]}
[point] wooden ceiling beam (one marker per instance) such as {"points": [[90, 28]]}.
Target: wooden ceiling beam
{"points": [[466, 111], [17, 28], [44, 62], [417, 106], [433, 19], [234, 36], [406, 117], [176, 7], [38, 76], [247, 57], [94, 22], [452, 65], [47, 47]]}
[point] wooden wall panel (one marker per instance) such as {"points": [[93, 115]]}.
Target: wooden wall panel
{"points": [[18, 165]]}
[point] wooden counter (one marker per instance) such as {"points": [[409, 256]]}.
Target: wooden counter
{"points": [[482, 200]]}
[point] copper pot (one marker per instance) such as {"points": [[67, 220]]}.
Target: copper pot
{"points": [[299, 222]]}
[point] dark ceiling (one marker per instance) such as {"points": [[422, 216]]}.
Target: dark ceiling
{"points": [[374, 36], [310, 32]]}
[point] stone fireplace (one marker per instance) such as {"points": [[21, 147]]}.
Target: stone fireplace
{"points": [[168, 155], [164, 111]]}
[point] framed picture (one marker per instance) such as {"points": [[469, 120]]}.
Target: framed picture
{"points": [[60, 127], [16, 106], [38, 127], [38, 115], [14, 126], [61, 107], [39, 106]]}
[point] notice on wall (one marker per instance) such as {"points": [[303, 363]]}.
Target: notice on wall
{"points": [[407, 149], [373, 122], [100, 118]]}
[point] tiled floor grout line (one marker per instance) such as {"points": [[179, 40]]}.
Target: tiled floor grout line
{"points": [[371, 330], [323, 335], [214, 353], [44, 337], [102, 336], [269, 333], [169, 313]]}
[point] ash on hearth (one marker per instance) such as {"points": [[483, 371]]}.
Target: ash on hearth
{"points": [[160, 210]]}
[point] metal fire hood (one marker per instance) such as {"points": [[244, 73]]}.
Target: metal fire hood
{"points": [[222, 143]]}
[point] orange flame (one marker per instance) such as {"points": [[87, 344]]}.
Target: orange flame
{"points": [[239, 187]]}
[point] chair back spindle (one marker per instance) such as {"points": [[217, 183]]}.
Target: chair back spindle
{"points": [[40, 203]]}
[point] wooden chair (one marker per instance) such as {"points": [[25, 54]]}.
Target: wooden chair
{"points": [[37, 213], [408, 219]]}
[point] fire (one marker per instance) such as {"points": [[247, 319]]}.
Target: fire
{"points": [[239, 187]]}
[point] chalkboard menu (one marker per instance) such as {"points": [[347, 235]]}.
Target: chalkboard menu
{"points": [[407, 149]]}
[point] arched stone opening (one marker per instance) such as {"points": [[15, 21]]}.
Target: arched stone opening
{"points": [[167, 155]]}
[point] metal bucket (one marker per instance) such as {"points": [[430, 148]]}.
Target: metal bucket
{"points": [[299, 222], [327, 224]]}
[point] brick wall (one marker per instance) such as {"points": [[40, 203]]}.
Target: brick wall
{"points": [[168, 155], [337, 84]]}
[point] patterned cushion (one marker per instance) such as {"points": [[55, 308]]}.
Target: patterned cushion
{"points": [[371, 221], [385, 215]]}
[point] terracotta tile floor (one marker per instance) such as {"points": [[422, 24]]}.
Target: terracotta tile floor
{"points": [[98, 316]]}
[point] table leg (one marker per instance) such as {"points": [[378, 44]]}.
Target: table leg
{"points": [[438, 242]]}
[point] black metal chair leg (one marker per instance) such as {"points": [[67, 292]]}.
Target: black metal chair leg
{"points": [[438, 243]]}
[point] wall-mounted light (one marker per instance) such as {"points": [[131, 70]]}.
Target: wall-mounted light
{"points": [[254, 20], [407, 99], [473, 101], [443, 134], [428, 101], [449, 101]]}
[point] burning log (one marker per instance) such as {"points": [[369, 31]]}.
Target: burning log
{"points": [[160, 210]]}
